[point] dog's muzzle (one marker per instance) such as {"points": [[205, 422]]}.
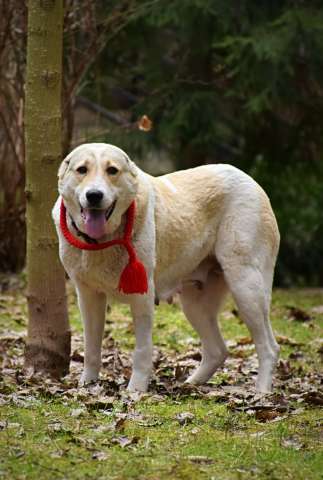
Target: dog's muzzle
{"points": [[95, 220]]}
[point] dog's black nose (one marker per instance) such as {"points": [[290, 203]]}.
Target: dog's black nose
{"points": [[94, 197]]}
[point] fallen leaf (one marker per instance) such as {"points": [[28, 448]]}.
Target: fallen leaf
{"points": [[101, 456], [257, 434], [284, 369], [217, 395], [145, 124], [180, 372], [314, 397], [200, 459], [151, 423], [119, 424], [244, 341], [266, 415], [298, 314], [77, 357], [283, 340], [78, 412], [13, 425], [184, 418], [192, 355], [292, 442], [100, 403], [296, 355], [298, 411], [59, 453], [55, 427], [125, 441]]}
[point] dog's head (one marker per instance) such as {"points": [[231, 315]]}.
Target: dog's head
{"points": [[98, 182]]}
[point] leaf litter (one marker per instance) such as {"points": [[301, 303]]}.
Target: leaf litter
{"points": [[236, 389], [233, 385]]}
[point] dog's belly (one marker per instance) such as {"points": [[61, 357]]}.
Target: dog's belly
{"points": [[189, 263], [197, 276]]}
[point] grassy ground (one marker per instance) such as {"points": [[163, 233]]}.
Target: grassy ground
{"points": [[51, 430]]}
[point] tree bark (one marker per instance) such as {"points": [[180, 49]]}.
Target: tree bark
{"points": [[48, 339]]}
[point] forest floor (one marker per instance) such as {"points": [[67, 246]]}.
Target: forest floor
{"points": [[54, 430]]}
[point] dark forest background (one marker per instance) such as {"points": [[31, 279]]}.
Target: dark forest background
{"points": [[239, 82]]}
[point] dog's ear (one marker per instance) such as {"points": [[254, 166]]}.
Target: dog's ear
{"points": [[62, 169], [64, 166], [132, 167]]}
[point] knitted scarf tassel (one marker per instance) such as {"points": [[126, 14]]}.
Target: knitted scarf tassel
{"points": [[133, 279]]}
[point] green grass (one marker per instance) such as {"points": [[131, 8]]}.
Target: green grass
{"points": [[53, 435]]}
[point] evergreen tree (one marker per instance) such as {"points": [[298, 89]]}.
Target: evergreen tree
{"points": [[238, 82]]}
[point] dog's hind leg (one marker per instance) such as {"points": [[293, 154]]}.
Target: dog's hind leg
{"points": [[201, 304], [246, 248], [93, 307], [251, 291]]}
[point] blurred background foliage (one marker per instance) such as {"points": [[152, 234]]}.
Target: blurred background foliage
{"points": [[223, 81]]}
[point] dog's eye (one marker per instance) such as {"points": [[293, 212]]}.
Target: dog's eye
{"points": [[112, 170], [82, 170]]}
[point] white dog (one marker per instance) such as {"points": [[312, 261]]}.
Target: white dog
{"points": [[200, 232]]}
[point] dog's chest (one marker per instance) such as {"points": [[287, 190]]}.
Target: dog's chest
{"points": [[99, 270]]}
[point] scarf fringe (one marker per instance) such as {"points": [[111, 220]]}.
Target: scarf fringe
{"points": [[133, 278]]}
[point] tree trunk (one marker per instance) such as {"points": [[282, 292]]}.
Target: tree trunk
{"points": [[48, 339]]}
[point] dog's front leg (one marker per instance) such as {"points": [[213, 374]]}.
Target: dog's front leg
{"points": [[142, 309], [92, 306]]}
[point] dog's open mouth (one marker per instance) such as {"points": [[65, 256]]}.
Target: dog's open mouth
{"points": [[95, 220]]}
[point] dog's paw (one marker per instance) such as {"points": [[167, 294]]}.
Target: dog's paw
{"points": [[138, 383], [87, 378]]}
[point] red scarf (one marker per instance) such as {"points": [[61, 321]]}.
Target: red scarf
{"points": [[133, 278]]}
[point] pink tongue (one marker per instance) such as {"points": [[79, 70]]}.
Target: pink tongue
{"points": [[94, 223]]}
